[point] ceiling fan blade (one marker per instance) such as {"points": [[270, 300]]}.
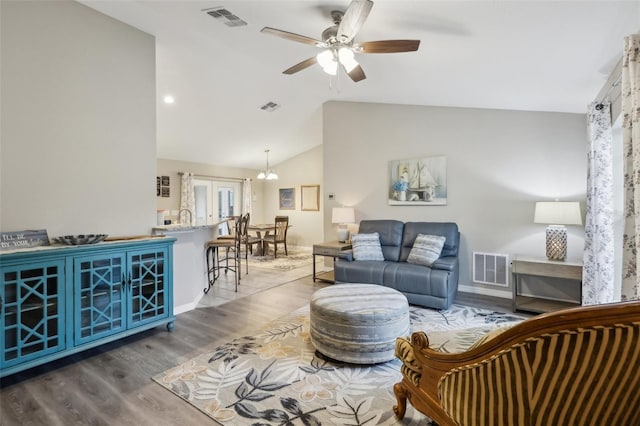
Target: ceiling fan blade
{"points": [[293, 37], [300, 66], [353, 19], [356, 74], [387, 46]]}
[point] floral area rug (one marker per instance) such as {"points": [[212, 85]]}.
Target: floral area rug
{"points": [[295, 259], [275, 377]]}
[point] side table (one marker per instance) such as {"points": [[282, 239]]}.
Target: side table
{"points": [[521, 265], [327, 249]]}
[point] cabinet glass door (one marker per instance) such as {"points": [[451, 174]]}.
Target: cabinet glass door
{"points": [[99, 296], [32, 307], [148, 290]]}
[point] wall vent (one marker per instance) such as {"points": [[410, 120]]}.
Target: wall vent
{"points": [[224, 16], [491, 268], [270, 106]]}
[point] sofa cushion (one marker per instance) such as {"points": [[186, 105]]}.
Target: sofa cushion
{"points": [[390, 236], [364, 271], [448, 230], [367, 247], [426, 249]]}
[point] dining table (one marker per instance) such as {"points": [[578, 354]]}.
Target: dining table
{"points": [[267, 228]]}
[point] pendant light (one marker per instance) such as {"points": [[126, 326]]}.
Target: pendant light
{"points": [[266, 173]]}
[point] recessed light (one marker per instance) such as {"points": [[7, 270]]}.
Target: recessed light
{"points": [[169, 99]]}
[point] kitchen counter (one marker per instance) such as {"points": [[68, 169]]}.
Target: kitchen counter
{"points": [[189, 265], [180, 227]]}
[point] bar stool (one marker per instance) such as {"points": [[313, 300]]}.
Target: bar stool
{"points": [[231, 247]]}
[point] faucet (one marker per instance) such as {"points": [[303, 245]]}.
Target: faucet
{"points": [[190, 216]]}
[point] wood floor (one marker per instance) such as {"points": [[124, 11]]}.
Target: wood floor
{"points": [[111, 384]]}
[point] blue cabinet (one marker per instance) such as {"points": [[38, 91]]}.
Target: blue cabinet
{"points": [[32, 311], [61, 300], [149, 298]]}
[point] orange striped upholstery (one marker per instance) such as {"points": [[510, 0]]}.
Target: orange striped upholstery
{"points": [[584, 376], [410, 367]]}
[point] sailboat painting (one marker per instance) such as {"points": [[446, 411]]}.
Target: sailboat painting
{"points": [[418, 182]]}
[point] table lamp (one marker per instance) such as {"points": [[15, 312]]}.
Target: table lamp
{"points": [[342, 216], [557, 214]]}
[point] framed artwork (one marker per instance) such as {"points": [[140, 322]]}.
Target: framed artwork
{"points": [[163, 186], [418, 182], [287, 199], [310, 198]]}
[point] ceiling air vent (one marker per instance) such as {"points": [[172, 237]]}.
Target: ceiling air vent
{"points": [[270, 106], [228, 18]]}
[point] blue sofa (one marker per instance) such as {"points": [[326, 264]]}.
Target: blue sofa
{"points": [[432, 287]]}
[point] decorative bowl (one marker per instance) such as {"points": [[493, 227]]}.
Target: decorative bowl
{"points": [[77, 240]]}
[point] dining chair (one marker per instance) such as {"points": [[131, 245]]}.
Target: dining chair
{"points": [[279, 236], [247, 240], [251, 240], [231, 227]]}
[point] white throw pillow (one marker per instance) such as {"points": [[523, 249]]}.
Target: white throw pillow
{"points": [[426, 249], [366, 247]]}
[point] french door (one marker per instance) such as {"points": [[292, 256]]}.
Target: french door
{"points": [[215, 199]]}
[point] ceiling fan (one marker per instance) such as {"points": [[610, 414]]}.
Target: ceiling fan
{"points": [[338, 42]]}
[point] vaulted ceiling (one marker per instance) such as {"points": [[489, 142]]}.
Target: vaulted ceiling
{"points": [[520, 55]]}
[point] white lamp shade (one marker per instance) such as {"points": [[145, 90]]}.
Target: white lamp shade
{"points": [[343, 215], [558, 213]]}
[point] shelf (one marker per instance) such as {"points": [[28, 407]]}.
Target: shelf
{"points": [[327, 276], [327, 249], [563, 272], [539, 306], [27, 307]]}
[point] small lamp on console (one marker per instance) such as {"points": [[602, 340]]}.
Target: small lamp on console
{"points": [[557, 214], [342, 216]]}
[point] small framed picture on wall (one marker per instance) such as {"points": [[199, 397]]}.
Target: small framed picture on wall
{"points": [[310, 197], [287, 199]]}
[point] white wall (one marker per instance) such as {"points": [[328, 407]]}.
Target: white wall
{"points": [[498, 164], [78, 121], [304, 169]]}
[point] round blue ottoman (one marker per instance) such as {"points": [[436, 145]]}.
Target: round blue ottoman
{"points": [[358, 323]]}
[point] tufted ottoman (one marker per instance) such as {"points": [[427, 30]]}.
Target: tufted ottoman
{"points": [[358, 323]]}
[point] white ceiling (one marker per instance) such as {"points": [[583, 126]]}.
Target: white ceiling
{"points": [[521, 55]]}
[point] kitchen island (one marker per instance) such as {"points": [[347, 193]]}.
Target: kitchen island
{"points": [[189, 263]]}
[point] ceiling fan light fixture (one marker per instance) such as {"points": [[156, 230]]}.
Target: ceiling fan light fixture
{"points": [[347, 59], [337, 43], [331, 69], [325, 58]]}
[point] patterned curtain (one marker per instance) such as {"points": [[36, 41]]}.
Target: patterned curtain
{"points": [[246, 198], [631, 143], [598, 271], [187, 198]]}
